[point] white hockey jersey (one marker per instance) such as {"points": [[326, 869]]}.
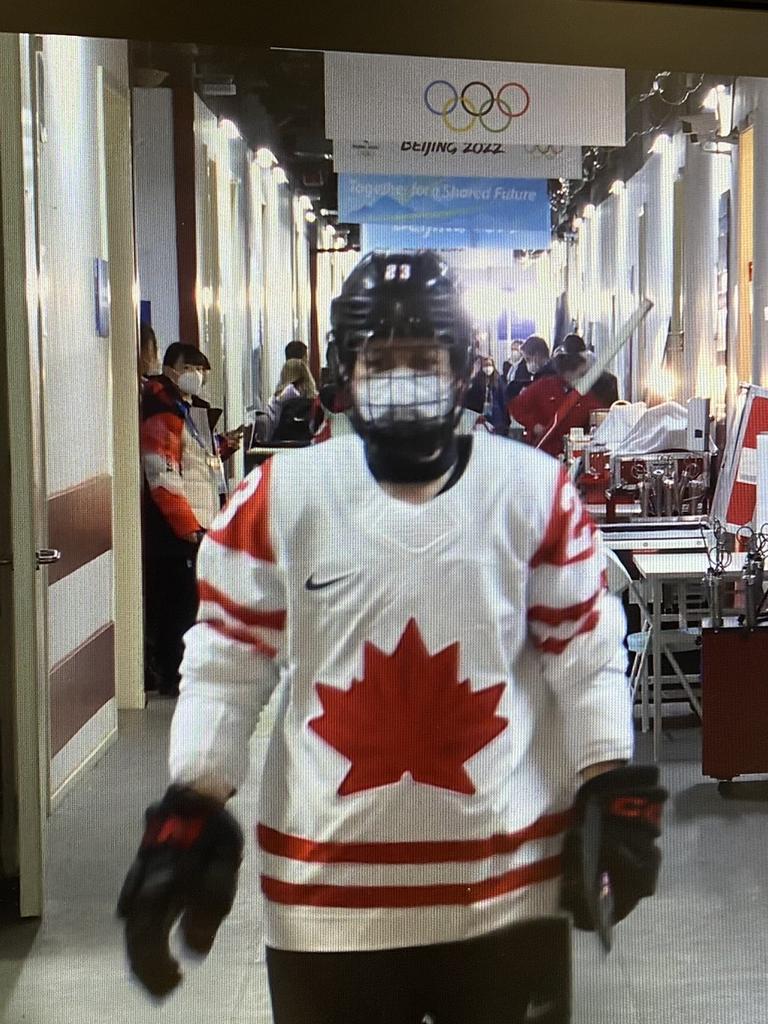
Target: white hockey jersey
{"points": [[447, 669]]}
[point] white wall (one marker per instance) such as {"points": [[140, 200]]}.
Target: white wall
{"points": [[278, 277], [228, 258], [608, 262], [155, 209]]}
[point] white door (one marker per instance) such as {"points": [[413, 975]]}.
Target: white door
{"points": [[20, 382]]}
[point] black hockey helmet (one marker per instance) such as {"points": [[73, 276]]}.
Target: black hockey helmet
{"points": [[399, 295]]}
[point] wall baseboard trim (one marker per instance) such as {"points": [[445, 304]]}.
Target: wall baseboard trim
{"points": [[96, 754]]}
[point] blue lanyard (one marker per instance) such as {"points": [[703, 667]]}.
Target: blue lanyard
{"points": [[187, 413]]}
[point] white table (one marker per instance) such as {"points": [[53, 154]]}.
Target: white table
{"points": [[670, 567]]}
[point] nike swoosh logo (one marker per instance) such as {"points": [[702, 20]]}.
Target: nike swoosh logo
{"points": [[313, 584]]}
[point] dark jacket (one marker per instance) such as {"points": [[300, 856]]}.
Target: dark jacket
{"points": [[606, 390], [520, 379], [483, 391]]}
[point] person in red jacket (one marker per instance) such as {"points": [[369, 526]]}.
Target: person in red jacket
{"points": [[538, 406]]}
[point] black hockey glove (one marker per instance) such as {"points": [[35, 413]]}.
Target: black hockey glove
{"points": [[617, 819], [186, 867]]}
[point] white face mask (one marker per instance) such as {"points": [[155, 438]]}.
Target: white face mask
{"points": [[488, 371], [403, 396], [190, 382]]}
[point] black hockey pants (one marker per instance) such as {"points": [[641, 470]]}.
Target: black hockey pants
{"points": [[488, 980]]}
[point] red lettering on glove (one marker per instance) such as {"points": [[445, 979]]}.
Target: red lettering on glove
{"points": [[174, 830], [636, 807]]}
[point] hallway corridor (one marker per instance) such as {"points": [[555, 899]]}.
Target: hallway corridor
{"points": [[696, 954]]}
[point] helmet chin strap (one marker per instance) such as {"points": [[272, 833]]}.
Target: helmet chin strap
{"points": [[421, 458], [387, 462]]}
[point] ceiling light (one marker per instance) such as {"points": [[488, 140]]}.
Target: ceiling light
{"points": [[617, 187], [280, 176], [659, 143], [310, 217], [588, 211], [230, 129], [305, 203], [710, 100], [265, 158]]}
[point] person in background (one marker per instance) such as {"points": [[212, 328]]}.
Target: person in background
{"points": [[513, 360], [149, 361], [517, 375], [606, 388], [335, 403], [294, 411], [538, 407], [296, 350], [185, 487], [485, 395], [537, 364]]}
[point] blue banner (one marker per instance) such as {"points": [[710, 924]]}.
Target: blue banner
{"points": [[412, 212]]}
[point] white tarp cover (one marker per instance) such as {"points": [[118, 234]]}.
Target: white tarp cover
{"points": [[636, 430]]}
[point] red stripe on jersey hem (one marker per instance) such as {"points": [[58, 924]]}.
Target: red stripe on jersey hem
{"points": [[232, 633], [248, 529], [552, 616], [556, 646], [361, 897], [247, 616], [438, 852]]}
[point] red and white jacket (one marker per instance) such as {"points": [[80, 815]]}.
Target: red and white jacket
{"points": [[184, 478], [446, 670]]}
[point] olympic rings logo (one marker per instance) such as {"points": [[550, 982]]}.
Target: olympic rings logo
{"points": [[549, 151], [477, 100]]}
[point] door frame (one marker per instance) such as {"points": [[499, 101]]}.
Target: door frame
{"points": [[119, 247], [22, 370]]}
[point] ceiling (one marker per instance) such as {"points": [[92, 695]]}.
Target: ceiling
{"points": [[277, 100]]}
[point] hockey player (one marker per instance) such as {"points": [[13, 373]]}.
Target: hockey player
{"points": [[452, 703]]}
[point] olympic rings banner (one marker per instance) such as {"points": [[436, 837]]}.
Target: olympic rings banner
{"points": [[457, 213], [475, 159], [418, 99]]}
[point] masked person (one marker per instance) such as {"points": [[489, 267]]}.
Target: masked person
{"points": [[444, 719], [485, 395], [539, 406], [185, 487]]}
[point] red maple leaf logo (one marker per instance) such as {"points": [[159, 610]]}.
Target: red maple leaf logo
{"points": [[408, 714]]}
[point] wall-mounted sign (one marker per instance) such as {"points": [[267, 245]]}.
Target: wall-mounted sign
{"points": [[379, 96], [457, 157]]}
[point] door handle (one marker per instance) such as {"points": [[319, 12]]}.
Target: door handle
{"points": [[47, 556]]}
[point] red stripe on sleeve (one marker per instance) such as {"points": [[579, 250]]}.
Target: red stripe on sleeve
{"points": [[247, 527], [390, 896], [243, 637], [568, 522], [556, 646], [248, 616], [552, 616]]}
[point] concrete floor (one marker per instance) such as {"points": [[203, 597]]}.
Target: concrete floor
{"points": [[696, 954]]}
